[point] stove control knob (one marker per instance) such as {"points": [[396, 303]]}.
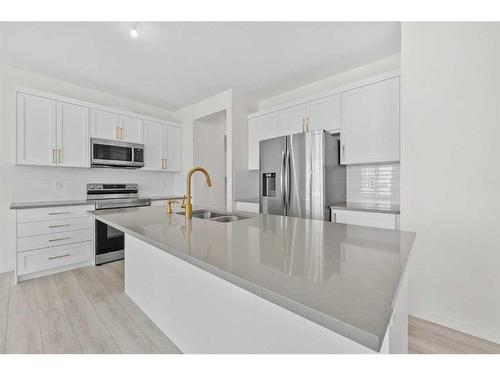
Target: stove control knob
{"points": [[91, 187], [98, 187]]}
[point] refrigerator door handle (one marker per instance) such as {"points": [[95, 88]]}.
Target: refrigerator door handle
{"points": [[282, 178], [287, 179]]}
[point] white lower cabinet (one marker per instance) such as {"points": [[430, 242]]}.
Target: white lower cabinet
{"points": [[34, 261], [53, 239], [368, 219], [247, 207]]}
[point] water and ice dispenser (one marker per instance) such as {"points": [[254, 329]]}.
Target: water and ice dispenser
{"points": [[269, 184]]}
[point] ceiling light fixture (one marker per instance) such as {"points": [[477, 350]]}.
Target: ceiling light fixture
{"points": [[134, 33]]}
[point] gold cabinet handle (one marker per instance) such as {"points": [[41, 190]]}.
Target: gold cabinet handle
{"points": [[307, 123], [59, 213], [343, 153], [59, 256], [59, 226], [53, 156], [116, 133], [59, 157], [121, 133], [334, 217], [59, 239], [165, 163], [303, 124]]}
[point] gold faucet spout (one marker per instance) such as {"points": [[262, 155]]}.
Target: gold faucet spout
{"points": [[188, 207]]}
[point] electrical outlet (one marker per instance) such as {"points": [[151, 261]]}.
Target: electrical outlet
{"points": [[373, 182], [58, 184]]}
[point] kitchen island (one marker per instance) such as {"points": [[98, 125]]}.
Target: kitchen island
{"points": [[266, 284]]}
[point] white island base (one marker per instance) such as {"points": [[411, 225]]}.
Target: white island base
{"points": [[202, 313]]}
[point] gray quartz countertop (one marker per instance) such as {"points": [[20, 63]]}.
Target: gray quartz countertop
{"points": [[368, 207], [342, 277], [75, 202], [56, 203]]}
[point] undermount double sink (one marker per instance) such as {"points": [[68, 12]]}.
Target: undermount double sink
{"points": [[219, 216]]}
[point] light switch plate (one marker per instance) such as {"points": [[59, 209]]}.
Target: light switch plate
{"points": [[58, 184]]}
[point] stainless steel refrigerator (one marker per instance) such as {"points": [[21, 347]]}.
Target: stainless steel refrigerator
{"points": [[301, 175]]}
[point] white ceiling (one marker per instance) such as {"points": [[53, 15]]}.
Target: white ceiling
{"points": [[173, 64]]}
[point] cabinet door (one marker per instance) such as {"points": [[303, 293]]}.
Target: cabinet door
{"points": [[291, 120], [153, 145], [324, 114], [104, 124], [368, 219], [259, 128], [131, 129], [73, 146], [36, 130], [173, 151], [370, 123]]}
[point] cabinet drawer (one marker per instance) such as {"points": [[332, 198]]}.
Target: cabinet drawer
{"points": [[369, 219], [53, 239], [52, 213], [58, 256], [53, 226]]}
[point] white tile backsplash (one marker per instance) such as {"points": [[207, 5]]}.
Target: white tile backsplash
{"points": [[373, 183], [30, 184]]}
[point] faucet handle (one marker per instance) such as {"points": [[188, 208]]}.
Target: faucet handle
{"points": [[169, 205], [183, 203]]}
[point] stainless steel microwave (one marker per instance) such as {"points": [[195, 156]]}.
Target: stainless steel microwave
{"points": [[118, 154]]}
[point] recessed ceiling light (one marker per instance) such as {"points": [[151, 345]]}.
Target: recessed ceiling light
{"points": [[134, 33]]}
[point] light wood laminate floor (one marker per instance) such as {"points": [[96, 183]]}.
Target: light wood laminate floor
{"points": [[87, 311], [80, 311]]}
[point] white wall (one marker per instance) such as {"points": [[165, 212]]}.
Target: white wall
{"points": [[209, 151], [450, 170], [42, 187], [362, 72]]}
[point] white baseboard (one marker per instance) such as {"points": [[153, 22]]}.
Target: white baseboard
{"points": [[458, 326]]}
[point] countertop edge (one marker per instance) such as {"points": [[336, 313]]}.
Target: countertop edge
{"points": [[366, 209], [76, 202], [350, 332]]}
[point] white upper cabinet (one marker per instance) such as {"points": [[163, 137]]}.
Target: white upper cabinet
{"points": [[162, 145], [73, 139], [173, 153], [36, 130], [153, 145], [109, 125], [259, 128], [131, 129], [291, 120], [324, 114], [104, 124], [55, 131], [370, 123], [51, 132]]}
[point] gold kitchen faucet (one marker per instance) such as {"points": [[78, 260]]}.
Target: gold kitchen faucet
{"points": [[188, 207]]}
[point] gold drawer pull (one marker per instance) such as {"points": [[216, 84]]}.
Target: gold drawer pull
{"points": [[59, 239], [59, 213], [59, 226], [59, 256]]}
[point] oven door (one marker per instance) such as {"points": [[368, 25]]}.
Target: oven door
{"points": [[109, 243], [107, 153]]}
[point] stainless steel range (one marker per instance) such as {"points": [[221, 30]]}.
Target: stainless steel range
{"points": [[110, 242]]}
